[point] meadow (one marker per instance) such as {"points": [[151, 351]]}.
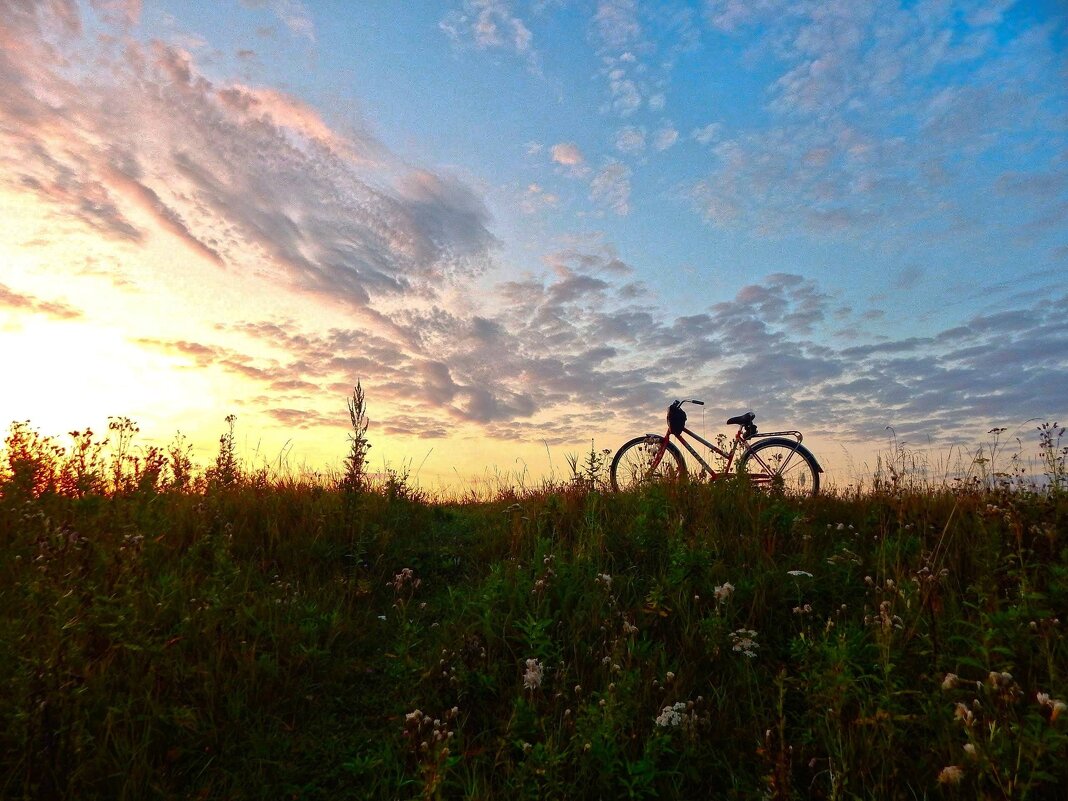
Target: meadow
{"points": [[236, 633]]}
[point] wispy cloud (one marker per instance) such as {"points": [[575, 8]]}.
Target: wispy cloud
{"points": [[611, 187], [30, 304], [291, 13], [883, 113], [232, 172], [492, 24]]}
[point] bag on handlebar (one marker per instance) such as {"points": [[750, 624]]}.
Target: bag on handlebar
{"points": [[676, 419]]}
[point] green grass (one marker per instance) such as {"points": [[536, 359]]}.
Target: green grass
{"points": [[257, 637]]}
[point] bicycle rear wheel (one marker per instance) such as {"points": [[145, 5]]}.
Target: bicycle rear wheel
{"points": [[783, 466], [633, 464]]}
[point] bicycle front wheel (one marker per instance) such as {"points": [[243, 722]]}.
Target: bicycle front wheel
{"points": [[636, 464], [783, 466]]}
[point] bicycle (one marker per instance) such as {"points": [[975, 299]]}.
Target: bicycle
{"points": [[778, 462]]}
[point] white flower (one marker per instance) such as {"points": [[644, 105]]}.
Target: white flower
{"points": [[533, 675], [723, 591], [950, 681], [744, 642], [671, 716]]}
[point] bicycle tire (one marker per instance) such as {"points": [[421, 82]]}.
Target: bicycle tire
{"points": [[631, 466], [778, 468]]}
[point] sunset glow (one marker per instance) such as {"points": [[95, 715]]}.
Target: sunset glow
{"points": [[526, 226]]}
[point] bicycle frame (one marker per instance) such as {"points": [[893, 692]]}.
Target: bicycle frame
{"points": [[739, 439]]}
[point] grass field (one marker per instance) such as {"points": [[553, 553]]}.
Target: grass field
{"points": [[231, 634]]}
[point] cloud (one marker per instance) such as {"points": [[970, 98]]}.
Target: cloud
{"points": [[665, 138], [31, 304], [707, 134], [535, 198], [626, 97], [611, 187], [491, 24], [291, 13], [873, 117], [119, 12], [567, 154], [579, 338], [238, 175], [617, 23], [630, 139]]}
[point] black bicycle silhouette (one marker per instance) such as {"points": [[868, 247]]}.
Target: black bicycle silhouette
{"points": [[778, 461]]}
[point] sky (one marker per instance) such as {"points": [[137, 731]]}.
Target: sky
{"points": [[526, 227]]}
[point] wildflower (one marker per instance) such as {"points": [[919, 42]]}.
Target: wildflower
{"points": [[628, 628], [744, 642], [952, 774], [671, 716], [723, 591], [1057, 707], [533, 675], [999, 679], [962, 713], [969, 749], [404, 579], [950, 681], [605, 579]]}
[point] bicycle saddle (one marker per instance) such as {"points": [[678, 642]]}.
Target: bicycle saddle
{"points": [[742, 419]]}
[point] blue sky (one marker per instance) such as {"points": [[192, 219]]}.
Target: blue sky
{"points": [[525, 224]]}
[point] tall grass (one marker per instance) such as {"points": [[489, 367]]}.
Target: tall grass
{"points": [[231, 633]]}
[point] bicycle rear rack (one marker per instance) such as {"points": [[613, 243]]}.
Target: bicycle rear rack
{"points": [[795, 434]]}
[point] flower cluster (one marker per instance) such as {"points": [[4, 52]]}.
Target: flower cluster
{"points": [[533, 676], [426, 734], [723, 592], [405, 580], [542, 582], [885, 620], [744, 641], [671, 716]]}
